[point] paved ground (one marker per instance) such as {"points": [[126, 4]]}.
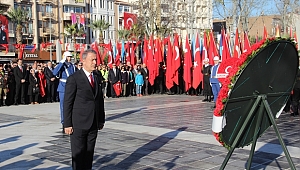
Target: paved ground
{"points": [[147, 133]]}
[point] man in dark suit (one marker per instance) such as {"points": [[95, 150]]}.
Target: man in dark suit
{"points": [[50, 79], [3, 38], [114, 76], [145, 73], [84, 111], [20, 74]]}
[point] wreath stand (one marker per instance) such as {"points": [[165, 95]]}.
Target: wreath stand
{"points": [[262, 104]]}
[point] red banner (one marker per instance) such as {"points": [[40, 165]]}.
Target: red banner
{"points": [[4, 30], [129, 20]]}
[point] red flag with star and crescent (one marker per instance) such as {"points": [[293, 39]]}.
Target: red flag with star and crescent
{"points": [[197, 77], [176, 59], [129, 20], [187, 75], [169, 70]]}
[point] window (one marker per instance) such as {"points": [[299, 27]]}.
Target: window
{"points": [[95, 1], [111, 19], [95, 17], [92, 34], [120, 8], [111, 5], [30, 28], [101, 4], [104, 35], [78, 10], [49, 9], [126, 8]]}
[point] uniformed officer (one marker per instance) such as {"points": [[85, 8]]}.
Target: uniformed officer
{"points": [[63, 70], [215, 84]]}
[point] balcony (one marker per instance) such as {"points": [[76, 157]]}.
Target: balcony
{"points": [[70, 46], [67, 16], [49, 2], [80, 3], [24, 1], [48, 31], [48, 15]]}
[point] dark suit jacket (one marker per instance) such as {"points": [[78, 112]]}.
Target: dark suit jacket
{"points": [[144, 73], [114, 78], [49, 74], [32, 83], [20, 75], [82, 104]]}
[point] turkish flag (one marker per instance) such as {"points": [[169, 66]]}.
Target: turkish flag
{"points": [[169, 70], [94, 46], [110, 60], [151, 61], [81, 51], [197, 77], [225, 52], [212, 51], [117, 53], [204, 48], [247, 46], [129, 20], [4, 28], [176, 59], [187, 75], [265, 36], [145, 49], [132, 55], [237, 48]]}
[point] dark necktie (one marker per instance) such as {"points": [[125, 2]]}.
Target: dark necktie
{"points": [[92, 80]]}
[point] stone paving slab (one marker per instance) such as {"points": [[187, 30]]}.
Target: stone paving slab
{"points": [[150, 133]]}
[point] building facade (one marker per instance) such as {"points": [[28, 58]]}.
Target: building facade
{"points": [[103, 10]]}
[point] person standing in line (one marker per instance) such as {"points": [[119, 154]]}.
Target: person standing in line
{"points": [[206, 71], [63, 70], [124, 81], [104, 73], [139, 82], [50, 79], [21, 75], [114, 76], [84, 111], [215, 84], [145, 73], [33, 84]]}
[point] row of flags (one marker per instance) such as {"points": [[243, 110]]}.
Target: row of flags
{"points": [[176, 56]]}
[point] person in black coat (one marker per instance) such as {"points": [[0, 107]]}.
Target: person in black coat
{"points": [[206, 71], [33, 83], [50, 80], [21, 75], [145, 73], [84, 111], [124, 80], [114, 76]]}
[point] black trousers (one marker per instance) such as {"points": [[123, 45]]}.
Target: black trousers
{"points": [[50, 92], [20, 88], [112, 91], [82, 147], [145, 87]]}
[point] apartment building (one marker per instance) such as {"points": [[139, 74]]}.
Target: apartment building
{"points": [[120, 7], [183, 17]]}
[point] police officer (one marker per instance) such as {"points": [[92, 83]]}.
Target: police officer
{"points": [[215, 84], [63, 70]]}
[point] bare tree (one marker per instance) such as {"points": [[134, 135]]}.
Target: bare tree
{"points": [[287, 10], [237, 12], [156, 16]]}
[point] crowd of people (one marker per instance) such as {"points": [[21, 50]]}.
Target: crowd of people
{"points": [[23, 83]]}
